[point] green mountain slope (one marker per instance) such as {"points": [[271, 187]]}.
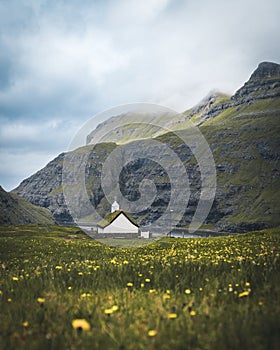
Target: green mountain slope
{"points": [[243, 134], [15, 210]]}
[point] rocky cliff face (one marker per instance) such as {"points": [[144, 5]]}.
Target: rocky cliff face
{"points": [[263, 84], [243, 134]]}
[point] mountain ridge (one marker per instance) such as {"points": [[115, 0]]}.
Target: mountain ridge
{"points": [[242, 132]]}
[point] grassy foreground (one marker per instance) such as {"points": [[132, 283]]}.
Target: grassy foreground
{"points": [[62, 290]]}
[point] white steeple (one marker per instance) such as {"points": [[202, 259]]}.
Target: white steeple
{"points": [[115, 206]]}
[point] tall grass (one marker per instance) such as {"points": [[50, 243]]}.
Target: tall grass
{"points": [[210, 293]]}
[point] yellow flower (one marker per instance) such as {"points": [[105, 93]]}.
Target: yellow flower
{"points": [[152, 333], [243, 294], [147, 280], [188, 291], [108, 311], [129, 284], [166, 296], [115, 308], [58, 267], [81, 324], [85, 295], [15, 278], [41, 300], [25, 324], [192, 313], [172, 315], [247, 284]]}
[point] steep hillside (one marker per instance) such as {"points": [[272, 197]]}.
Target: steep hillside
{"points": [[243, 134], [15, 210], [127, 127]]}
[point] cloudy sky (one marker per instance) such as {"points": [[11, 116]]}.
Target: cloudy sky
{"points": [[63, 61]]}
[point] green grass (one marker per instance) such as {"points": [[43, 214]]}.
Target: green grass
{"points": [[190, 292], [16, 210], [126, 243]]}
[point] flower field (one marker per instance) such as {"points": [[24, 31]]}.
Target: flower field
{"points": [[60, 289]]}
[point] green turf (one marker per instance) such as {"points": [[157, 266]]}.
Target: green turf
{"points": [[207, 293]]}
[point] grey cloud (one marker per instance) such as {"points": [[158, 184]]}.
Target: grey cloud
{"points": [[67, 60]]}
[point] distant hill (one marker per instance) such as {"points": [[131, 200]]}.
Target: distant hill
{"points": [[243, 133], [15, 210]]}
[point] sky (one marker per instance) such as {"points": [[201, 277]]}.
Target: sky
{"points": [[63, 61]]}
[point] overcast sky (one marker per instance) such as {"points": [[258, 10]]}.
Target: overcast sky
{"points": [[63, 61]]}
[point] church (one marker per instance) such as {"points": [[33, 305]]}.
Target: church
{"points": [[118, 223]]}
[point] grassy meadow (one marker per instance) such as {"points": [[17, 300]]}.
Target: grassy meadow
{"points": [[60, 289]]}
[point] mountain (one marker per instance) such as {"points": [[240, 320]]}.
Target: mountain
{"points": [[242, 132], [127, 127], [15, 210]]}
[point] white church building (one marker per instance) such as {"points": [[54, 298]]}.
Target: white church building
{"points": [[118, 222]]}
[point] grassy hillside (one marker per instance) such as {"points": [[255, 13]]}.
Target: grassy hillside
{"points": [[62, 290], [16, 210], [242, 131], [246, 153]]}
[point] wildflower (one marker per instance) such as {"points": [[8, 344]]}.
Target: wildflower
{"points": [[81, 324], [58, 267], [188, 291], [25, 324], [243, 294], [9, 300], [85, 295], [172, 315], [247, 284], [108, 311], [152, 333], [69, 288], [147, 280], [15, 278], [115, 308], [129, 284], [142, 285], [192, 313], [41, 300]]}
